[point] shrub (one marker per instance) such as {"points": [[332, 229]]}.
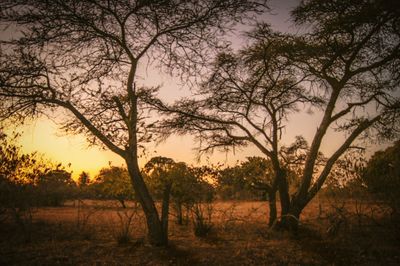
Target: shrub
{"points": [[202, 219], [382, 176]]}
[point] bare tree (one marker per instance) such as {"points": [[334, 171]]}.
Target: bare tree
{"points": [[83, 55]]}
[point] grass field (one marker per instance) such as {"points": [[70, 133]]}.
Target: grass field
{"points": [[332, 232]]}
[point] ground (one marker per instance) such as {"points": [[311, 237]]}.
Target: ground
{"points": [[332, 232]]}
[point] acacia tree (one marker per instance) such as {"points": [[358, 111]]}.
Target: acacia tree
{"points": [[352, 56], [114, 182], [246, 100], [83, 55], [348, 60]]}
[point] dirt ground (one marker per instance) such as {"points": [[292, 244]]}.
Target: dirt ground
{"points": [[331, 233]]}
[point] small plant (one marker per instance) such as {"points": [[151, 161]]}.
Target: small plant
{"points": [[84, 213], [122, 229], [202, 219]]}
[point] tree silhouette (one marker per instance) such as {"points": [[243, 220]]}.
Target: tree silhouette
{"points": [[82, 56], [246, 100], [351, 56], [346, 64], [83, 179]]}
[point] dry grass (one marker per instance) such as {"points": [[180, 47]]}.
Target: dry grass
{"points": [[363, 234]]}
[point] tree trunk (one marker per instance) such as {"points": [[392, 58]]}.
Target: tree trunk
{"points": [[165, 212], [283, 188], [292, 219], [122, 203], [272, 208], [179, 214], [154, 225]]}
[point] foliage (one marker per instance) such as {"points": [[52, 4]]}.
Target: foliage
{"points": [[159, 172], [27, 182], [382, 175], [188, 185], [245, 180], [114, 183], [17, 173], [83, 179], [55, 187]]}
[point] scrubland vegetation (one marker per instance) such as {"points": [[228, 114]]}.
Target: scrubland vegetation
{"points": [[217, 216], [81, 63]]}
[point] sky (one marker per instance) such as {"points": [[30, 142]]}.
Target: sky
{"points": [[43, 135]]}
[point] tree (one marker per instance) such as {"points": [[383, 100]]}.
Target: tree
{"points": [[232, 185], [346, 65], [84, 183], [245, 179], [190, 186], [351, 56], [247, 99], [82, 56], [178, 183], [83, 179], [55, 187], [382, 175], [160, 172], [114, 183], [17, 174], [20, 182]]}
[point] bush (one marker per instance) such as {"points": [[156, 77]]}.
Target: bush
{"points": [[202, 219], [382, 176], [55, 187]]}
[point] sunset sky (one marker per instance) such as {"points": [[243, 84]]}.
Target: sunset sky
{"points": [[42, 135]]}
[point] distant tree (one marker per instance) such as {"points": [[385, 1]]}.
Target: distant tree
{"points": [[178, 183], [114, 183], [21, 182], [84, 185], [55, 187], [83, 179], [382, 175], [16, 166], [83, 56], [231, 184], [159, 171], [191, 186], [245, 179], [17, 173]]}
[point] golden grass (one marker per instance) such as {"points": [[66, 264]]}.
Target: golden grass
{"points": [[84, 234]]}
